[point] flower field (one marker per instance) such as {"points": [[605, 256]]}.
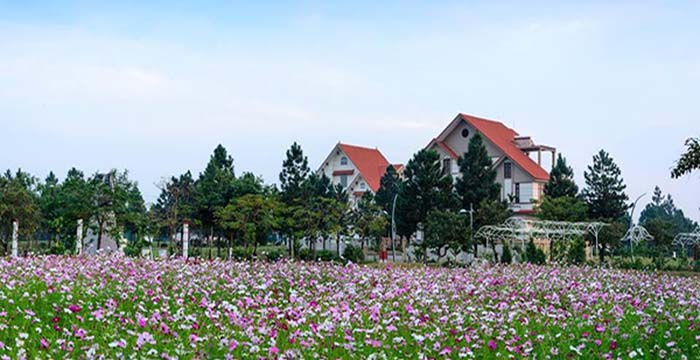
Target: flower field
{"points": [[113, 307]]}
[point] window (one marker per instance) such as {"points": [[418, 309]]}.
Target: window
{"points": [[344, 180], [446, 166], [343, 160], [362, 185], [517, 193], [465, 132], [507, 170]]}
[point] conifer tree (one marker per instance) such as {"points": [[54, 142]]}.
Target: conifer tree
{"points": [[561, 180], [605, 189], [388, 188], [478, 180]]}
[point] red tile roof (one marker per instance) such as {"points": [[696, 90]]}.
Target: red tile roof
{"points": [[369, 162], [504, 138]]}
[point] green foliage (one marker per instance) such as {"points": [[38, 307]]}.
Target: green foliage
{"points": [[446, 230], [18, 200], [506, 257], [563, 208], [561, 181], [478, 176], [241, 253], [533, 254], [577, 252], [690, 160], [426, 188], [368, 221], [353, 254], [253, 216], [57, 248], [295, 172], [274, 255], [663, 232], [663, 208], [214, 188], [389, 187], [605, 189]]}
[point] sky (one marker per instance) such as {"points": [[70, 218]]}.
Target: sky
{"points": [[154, 86]]}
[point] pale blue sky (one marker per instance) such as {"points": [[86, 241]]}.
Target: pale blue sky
{"points": [[153, 88]]}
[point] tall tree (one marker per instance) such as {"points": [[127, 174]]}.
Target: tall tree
{"points": [[18, 201], [76, 203], [478, 176], [426, 188], [388, 189], [561, 180], [175, 204], [690, 160], [214, 189], [490, 212], [605, 189], [368, 222], [50, 207], [293, 189], [662, 207], [111, 195]]}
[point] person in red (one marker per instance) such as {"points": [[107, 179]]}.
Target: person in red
{"points": [[382, 250]]}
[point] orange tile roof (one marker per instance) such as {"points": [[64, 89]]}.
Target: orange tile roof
{"points": [[504, 138], [369, 162]]}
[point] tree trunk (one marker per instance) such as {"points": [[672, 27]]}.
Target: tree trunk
{"points": [[337, 245], [218, 247]]}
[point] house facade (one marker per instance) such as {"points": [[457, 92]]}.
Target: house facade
{"points": [[358, 169], [521, 177]]}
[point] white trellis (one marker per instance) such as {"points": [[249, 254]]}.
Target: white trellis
{"points": [[683, 240], [635, 235], [516, 228]]}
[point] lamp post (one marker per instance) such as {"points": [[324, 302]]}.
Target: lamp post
{"points": [[471, 220]]}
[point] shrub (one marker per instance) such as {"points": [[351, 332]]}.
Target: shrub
{"points": [[241, 253], [325, 255], [506, 257], [275, 255], [353, 254], [57, 248], [577, 252], [533, 254]]}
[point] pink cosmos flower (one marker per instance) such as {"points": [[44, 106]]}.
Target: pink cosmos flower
{"points": [[492, 344], [274, 350], [44, 344], [74, 308]]}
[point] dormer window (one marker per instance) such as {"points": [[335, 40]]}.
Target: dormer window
{"points": [[343, 160]]}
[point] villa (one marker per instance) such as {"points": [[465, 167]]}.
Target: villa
{"points": [[521, 178], [358, 169]]}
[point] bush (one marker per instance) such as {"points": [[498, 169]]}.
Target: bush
{"points": [[57, 248], [353, 254], [326, 255], [533, 254], [506, 257], [275, 255], [241, 253], [577, 252]]}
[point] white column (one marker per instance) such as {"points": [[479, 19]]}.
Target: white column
{"points": [[79, 238], [15, 235], [185, 239]]}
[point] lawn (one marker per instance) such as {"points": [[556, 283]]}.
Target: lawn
{"points": [[76, 307]]}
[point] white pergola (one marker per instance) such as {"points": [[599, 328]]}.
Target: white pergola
{"points": [[683, 240], [635, 235], [516, 228]]}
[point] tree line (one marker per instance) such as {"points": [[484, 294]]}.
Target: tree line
{"points": [[226, 210]]}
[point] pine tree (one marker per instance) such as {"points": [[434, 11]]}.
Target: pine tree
{"points": [[214, 189], [478, 180], [388, 189], [663, 208], [605, 189], [561, 181], [293, 185], [295, 172], [426, 187]]}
